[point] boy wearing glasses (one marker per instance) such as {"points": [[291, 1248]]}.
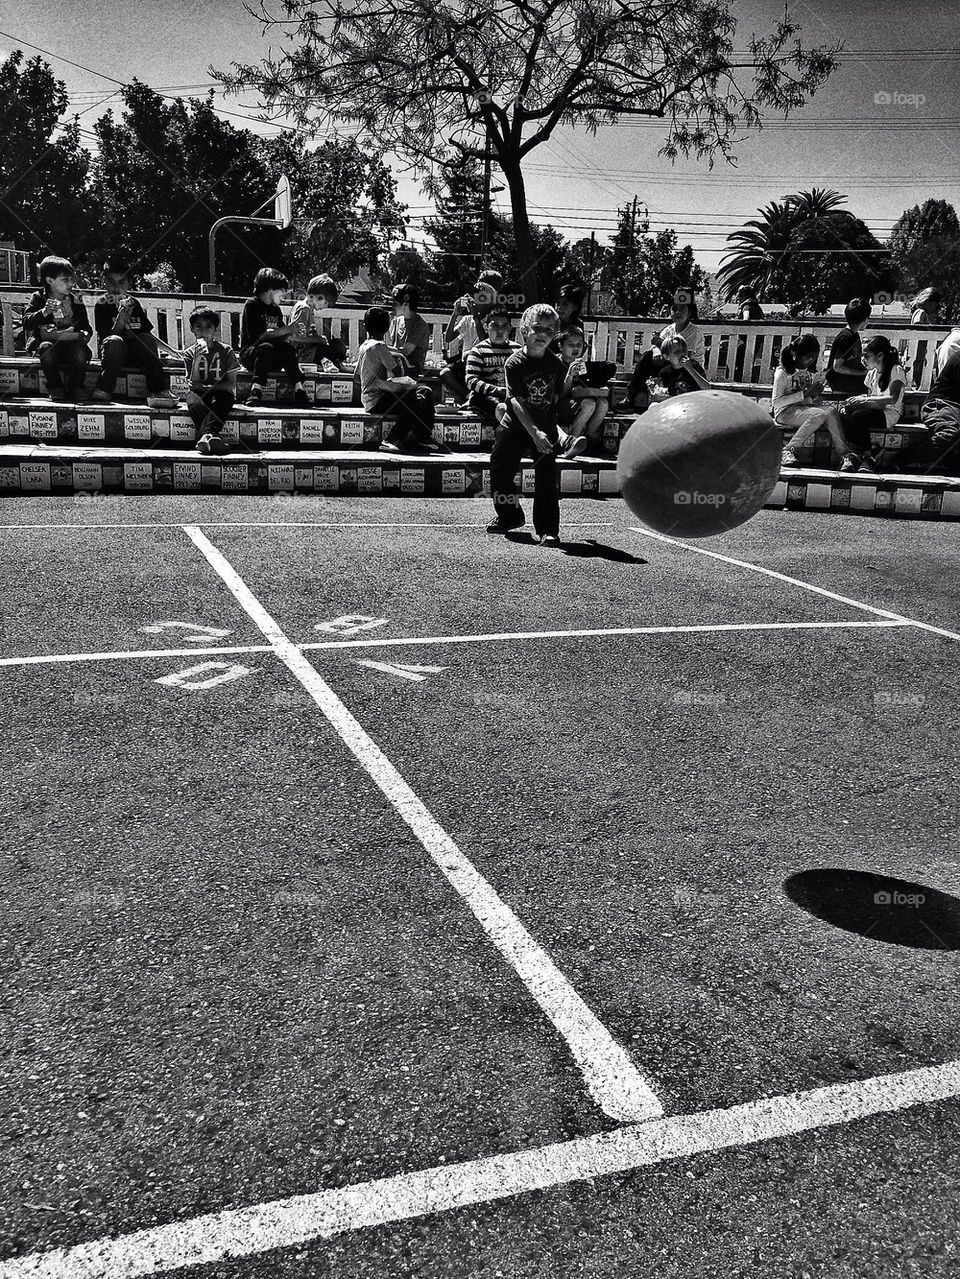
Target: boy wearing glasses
{"points": [[535, 379]]}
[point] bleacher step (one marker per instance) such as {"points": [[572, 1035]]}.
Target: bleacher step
{"points": [[37, 469]]}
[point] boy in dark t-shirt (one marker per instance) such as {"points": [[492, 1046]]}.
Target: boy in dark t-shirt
{"points": [[846, 371], [265, 344], [126, 337], [535, 379]]}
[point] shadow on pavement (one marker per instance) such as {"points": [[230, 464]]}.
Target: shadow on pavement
{"points": [[592, 549], [880, 907]]}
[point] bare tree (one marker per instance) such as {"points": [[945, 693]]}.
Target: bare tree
{"points": [[430, 80]]}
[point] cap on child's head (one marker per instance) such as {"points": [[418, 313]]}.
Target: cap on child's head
{"points": [[269, 278], [572, 293], [408, 293], [376, 320], [323, 286]]}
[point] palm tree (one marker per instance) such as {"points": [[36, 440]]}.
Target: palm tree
{"points": [[817, 203], [756, 251]]}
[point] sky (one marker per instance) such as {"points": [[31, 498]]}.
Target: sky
{"points": [[884, 130]]}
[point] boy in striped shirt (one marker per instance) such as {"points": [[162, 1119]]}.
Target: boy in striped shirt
{"points": [[484, 374]]}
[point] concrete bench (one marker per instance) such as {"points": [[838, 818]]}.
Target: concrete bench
{"points": [[33, 470]]}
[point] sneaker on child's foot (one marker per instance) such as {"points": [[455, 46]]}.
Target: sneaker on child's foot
{"points": [[868, 462], [789, 458], [579, 444], [254, 395], [851, 462], [502, 526], [301, 399], [58, 393], [387, 447], [100, 396], [213, 443], [548, 539]]}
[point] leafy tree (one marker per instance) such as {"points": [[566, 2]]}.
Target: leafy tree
{"points": [[807, 251], [756, 251], [432, 81], [164, 173], [43, 201], [925, 247], [580, 256], [645, 270], [345, 202]]}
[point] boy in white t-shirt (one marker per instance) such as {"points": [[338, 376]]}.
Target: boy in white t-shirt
{"points": [[308, 337]]}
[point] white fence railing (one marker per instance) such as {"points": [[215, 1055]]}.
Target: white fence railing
{"points": [[736, 350]]}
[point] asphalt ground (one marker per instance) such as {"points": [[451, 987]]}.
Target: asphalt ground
{"points": [[233, 974]]}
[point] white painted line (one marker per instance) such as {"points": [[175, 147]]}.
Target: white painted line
{"points": [[292, 524], [55, 658], [600, 631], [284, 1223], [611, 1077], [899, 618]]}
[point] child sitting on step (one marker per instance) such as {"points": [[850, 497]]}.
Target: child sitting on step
{"points": [[57, 329], [880, 408], [485, 361], [409, 332], [311, 340], [797, 389], [126, 338], [680, 372], [265, 344], [385, 388], [212, 369], [582, 408]]}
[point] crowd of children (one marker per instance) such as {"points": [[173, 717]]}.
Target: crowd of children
{"points": [[541, 395]]}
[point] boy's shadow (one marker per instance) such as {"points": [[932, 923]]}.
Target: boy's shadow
{"points": [[591, 549], [588, 550]]}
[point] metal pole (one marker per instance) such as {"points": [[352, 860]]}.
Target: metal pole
{"points": [[212, 253], [486, 203]]}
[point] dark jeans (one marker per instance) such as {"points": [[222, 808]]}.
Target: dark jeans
{"points": [[269, 355], [454, 378], [332, 349], [510, 444], [939, 453], [858, 422], [138, 350], [649, 364], [414, 414], [69, 358], [484, 405], [211, 411]]}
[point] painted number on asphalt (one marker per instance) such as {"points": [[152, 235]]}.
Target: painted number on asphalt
{"points": [[350, 624], [401, 670], [201, 634], [206, 675]]}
